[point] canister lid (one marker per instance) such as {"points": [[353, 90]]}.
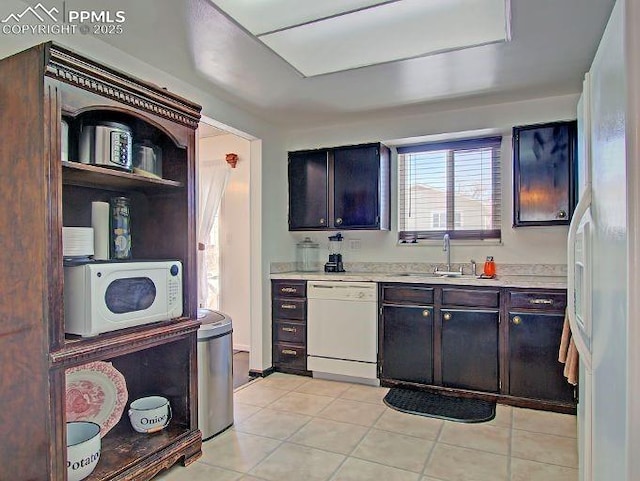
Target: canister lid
{"points": [[307, 243]]}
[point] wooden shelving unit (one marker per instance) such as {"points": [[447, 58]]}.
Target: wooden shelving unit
{"points": [[40, 194]]}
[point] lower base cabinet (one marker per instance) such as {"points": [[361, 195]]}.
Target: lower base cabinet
{"points": [[494, 343], [289, 326], [407, 340], [470, 349], [534, 370]]}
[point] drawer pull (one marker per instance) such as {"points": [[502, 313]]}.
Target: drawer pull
{"points": [[288, 306], [447, 316], [289, 329], [425, 313], [290, 290], [517, 320], [289, 352], [540, 301]]}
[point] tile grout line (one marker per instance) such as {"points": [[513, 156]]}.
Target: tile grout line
{"points": [[349, 455], [433, 448]]}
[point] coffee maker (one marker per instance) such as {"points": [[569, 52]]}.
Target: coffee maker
{"points": [[335, 257]]}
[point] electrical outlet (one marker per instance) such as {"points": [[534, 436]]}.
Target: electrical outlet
{"points": [[354, 244]]}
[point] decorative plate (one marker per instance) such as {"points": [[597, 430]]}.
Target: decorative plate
{"points": [[96, 392]]}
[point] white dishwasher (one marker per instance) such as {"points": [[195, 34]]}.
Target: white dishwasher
{"points": [[342, 330]]}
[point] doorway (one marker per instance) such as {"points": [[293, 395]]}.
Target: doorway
{"points": [[227, 245]]}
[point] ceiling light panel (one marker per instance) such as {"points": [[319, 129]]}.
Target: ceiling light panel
{"points": [[263, 16], [389, 32]]}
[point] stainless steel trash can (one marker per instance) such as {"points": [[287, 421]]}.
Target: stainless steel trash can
{"points": [[215, 373]]}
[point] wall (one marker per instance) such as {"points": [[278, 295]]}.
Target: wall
{"points": [[530, 245], [235, 234]]}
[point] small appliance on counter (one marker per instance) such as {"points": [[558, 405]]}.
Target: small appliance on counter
{"points": [[307, 255], [108, 144], [335, 255]]}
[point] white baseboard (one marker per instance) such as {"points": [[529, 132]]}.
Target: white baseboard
{"points": [[242, 347]]}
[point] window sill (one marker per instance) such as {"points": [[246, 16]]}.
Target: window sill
{"points": [[454, 242]]}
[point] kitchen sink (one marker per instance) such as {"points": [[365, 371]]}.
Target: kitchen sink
{"points": [[426, 274]]}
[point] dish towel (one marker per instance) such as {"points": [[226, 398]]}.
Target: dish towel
{"points": [[568, 353]]}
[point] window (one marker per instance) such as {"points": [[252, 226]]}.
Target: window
{"points": [[450, 187]]}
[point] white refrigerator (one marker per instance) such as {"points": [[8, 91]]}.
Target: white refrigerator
{"points": [[602, 255]]}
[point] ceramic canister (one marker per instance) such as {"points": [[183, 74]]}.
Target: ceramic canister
{"points": [[150, 414], [83, 449]]}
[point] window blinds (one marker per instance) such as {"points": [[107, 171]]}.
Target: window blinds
{"points": [[450, 187]]}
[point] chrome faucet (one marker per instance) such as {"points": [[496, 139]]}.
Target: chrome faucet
{"points": [[446, 246]]}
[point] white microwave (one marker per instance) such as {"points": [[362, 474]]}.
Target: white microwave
{"points": [[106, 296]]}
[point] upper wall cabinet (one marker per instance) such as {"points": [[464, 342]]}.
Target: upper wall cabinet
{"points": [[339, 188], [544, 174]]}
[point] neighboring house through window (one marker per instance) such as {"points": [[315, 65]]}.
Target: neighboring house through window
{"points": [[450, 187]]}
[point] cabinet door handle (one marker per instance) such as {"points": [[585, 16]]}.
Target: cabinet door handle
{"points": [[540, 301], [425, 313], [446, 316], [322, 221], [517, 320], [289, 329], [338, 220], [289, 352], [562, 214], [288, 306]]}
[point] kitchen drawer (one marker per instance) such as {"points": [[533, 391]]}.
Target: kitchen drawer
{"points": [[289, 289], [291, 356], [546, 301], [289, 309], [410, 295], [470, 297], [290, 332]]}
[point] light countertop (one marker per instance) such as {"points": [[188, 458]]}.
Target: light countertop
{"points": [[524, 281]]}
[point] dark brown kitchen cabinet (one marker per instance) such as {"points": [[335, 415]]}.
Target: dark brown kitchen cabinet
{"points": [[308, 190], [407, 343], [480, 341], [535, 329], [470, 349], [289, 326], [340, 188], [40, 193], [544, 191]]}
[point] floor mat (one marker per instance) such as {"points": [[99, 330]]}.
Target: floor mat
{"points": [[435, 405]]}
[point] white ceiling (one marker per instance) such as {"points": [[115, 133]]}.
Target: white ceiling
{"points": [[340, 38], [553, 43]]}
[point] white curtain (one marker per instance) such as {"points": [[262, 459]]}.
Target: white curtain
{"points": [[212, 180]]}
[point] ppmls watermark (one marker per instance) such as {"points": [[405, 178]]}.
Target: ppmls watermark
{"points": [[41, 20]]}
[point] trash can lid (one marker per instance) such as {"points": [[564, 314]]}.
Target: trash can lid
{"points": [[214, 323]]}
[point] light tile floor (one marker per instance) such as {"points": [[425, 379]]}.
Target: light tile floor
{"points": [[297, 428]]}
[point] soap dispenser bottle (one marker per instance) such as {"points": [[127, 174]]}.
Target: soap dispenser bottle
{"points": [[489, 267]]}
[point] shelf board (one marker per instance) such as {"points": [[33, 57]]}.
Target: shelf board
{"points": [[87, 175], [122, 449], [80, 350]]}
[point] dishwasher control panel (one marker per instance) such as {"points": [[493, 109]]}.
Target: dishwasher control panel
{"points": [[339, 290]]}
